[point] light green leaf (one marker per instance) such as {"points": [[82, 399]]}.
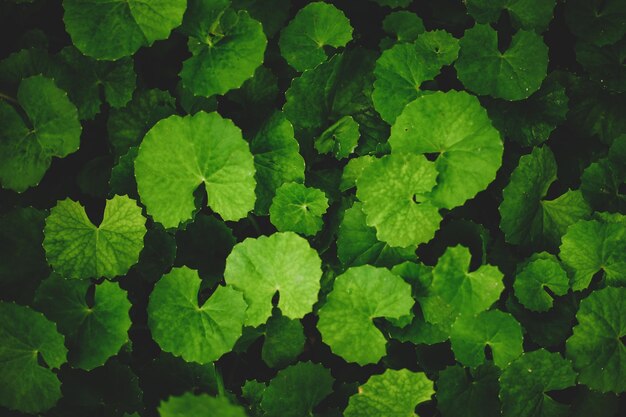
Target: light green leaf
{"points": [[513, 75], [533, 281], [340, 139], [190, 404], [198, 332], [526, 217], [353, 170], [294, 391], [76, 248], [284, 341], [360, 295], [393, 393], [26, 335], [469, 392], [455, 291], [317, 25], [225, 53], [394, 192], [456, 127], [524, 14], [592, 246], [401, 70], [181, 153], [500, 331], [263, 266], [128, 125], [597, 346], [297, 208], [357, 243], [525, 382], [112, 29], [277, 159], [27, 146], [94, 332]]}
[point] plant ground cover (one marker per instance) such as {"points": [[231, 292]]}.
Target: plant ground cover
{"points": [[285, 208]]}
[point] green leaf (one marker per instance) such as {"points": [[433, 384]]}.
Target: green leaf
{"points": [[353, 170], [454, 126], [22, 258], [76, 248], [190, 404], [455, 291], [394, 191], [498, 330], [112, 29], [297, 208], [198, 332], [524, 383], [86, 80], [51, 128], [530, 122], [602, 180], [527, 218], [336, 88], [605, 64], [394, 393], [260, 267], [469, 393], [296, 390], [601, 23], [271, 13], [27, 336], [181, 153], [284, 341], [277, 159], [224, 54], [403, 25], [315, 26], [596, 348], [591, 246], [360, 295], [128, 125], [401, 70], [340, 139], [533, 281], [94, 329], [525, 14], [512, 75], [357, 243]]}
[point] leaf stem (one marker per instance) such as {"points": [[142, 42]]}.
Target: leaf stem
{"points": [[254, 224], [219, 381], [8, 98]]}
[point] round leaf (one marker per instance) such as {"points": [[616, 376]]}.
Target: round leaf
{"points": [[394, 191], [596, 347], [260, 267], [533, 281], [360, 295], [512, 75], [197, 333], [299, 209], [94, 332], [112, 29], [394, 393], [317, 25], [53, 129], [181, 153], [189, 404], [456, 127], [76, 248], [26, 335]]}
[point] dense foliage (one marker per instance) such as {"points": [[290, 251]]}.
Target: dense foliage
{"points": [[285, 208]]}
